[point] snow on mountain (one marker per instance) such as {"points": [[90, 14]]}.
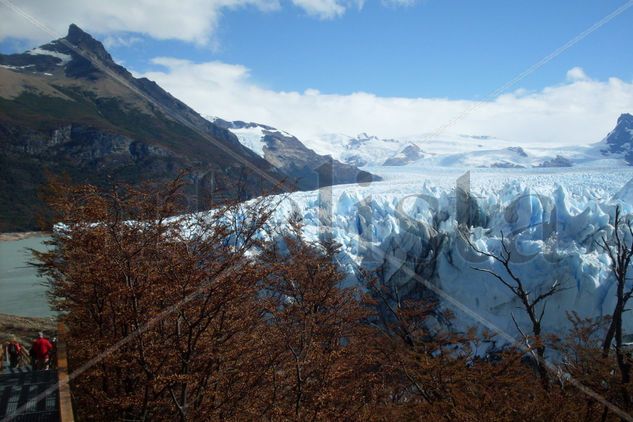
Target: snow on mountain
{"points": [[290, 155], [369, 150], [473, 151], [409, 154], [361, 150], [619, 142], [454, 150], [554, 217], [525, 157], [251, 135], [64, 58], [251, 138]]}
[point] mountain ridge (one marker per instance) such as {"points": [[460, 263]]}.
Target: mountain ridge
{"points": [[620, 140], [67, 108], [472, 151], [292, 156]]}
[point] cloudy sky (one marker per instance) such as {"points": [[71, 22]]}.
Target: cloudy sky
{"points": [[387, 67]]}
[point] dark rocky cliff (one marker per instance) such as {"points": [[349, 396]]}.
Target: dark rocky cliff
{"points": [[66, 108]]}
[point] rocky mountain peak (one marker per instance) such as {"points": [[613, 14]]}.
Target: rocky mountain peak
{"points": [[86, 42], [620, 140], [626, 119], [76, 34], [409, 154], [364, 136], [64, 54]]}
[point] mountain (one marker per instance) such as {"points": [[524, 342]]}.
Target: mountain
{"points": [[424, 149], [66, 108], [409, 154], [619, 141], [290, 155], [360, 150], [473, 151]]}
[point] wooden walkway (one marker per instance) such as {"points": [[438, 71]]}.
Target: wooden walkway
{"points": [[37, 396], [20, 391]]}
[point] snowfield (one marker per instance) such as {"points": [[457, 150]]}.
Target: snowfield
{"points": [[553, 217], [253, 137], [64, 58], [553, 204], [444, 150], [462, 151]]}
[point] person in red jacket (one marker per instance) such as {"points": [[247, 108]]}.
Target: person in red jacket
{"points": [[41, 349]]}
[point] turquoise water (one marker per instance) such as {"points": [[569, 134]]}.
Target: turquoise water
{"points": [[21, 291]]}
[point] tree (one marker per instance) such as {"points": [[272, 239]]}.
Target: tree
{"points": [[581, 356], [530, 301], [162, 309], [431, 370], [224, 315], [323, 371], [620, 251]]}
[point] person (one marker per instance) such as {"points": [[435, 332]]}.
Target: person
{"points": [[32, 357], [14, 350], [42, 348]]}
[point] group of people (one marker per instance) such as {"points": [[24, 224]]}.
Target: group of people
{"points": [[40, 354]]}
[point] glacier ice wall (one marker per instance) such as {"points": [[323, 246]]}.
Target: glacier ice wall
{"points": [[410, 224]]}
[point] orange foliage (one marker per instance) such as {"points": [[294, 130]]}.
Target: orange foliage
{"points": [[198, 318]]}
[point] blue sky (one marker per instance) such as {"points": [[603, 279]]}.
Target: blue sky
{"points": [[439, 48], [435, 48], [255, 59]]}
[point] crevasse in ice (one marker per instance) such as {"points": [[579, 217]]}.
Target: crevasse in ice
{"points": [[552, 222]]}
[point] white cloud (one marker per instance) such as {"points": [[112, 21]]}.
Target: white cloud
{"points": [[327, 9], [398, 3], [576, 112], [187, 20], [576, 74], [120, 41]]}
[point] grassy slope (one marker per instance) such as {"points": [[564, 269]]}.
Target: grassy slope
{"points": [[25, 329]]}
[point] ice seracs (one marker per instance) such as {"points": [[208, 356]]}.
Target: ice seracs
{"points": [[553, 204], [553, 218]]}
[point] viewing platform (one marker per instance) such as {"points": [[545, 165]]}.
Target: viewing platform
{"points": [[37, 396]]}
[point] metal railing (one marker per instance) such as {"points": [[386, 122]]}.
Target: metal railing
{"points": [[65, 397], [57, 377]]}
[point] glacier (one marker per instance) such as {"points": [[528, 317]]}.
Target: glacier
{"points": [[445, 149], [405, 229]]}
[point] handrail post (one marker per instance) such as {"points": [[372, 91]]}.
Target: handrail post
{"points": [[65, 403]]}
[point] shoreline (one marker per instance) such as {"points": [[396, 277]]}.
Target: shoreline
{"points": [[25, 328], [12, 236]]}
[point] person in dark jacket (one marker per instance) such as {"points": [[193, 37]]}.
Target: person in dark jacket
{"points": [[41, 349], [14, 350]]}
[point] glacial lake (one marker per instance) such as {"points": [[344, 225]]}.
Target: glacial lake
{"points": [[21, 291]]}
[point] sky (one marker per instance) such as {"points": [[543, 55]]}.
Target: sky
{"points": [[387, 67]]}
